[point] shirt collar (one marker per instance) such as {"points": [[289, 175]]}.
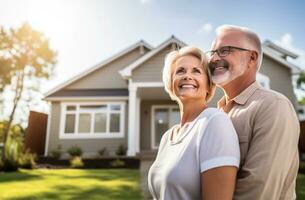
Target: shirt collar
{"points": [[242, 98]]}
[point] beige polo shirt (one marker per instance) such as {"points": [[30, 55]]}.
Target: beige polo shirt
{"points": [[268, 132]]}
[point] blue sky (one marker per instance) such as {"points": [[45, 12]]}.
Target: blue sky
{"points": [[85, 32]]}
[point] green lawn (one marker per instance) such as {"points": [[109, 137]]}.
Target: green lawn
{"points": [[73, 184], [301, 187], [70, 184]]}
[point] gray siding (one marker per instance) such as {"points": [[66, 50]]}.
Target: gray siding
{"points": [[151, 70], [280, 77], [54, 127], [107, 76], [218, 94], [145, 121], [90, 147]]}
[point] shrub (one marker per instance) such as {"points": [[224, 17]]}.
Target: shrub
{"points": [[117, 163], [121, 151], [14, 146], [103, 151], [56, 153], [76, 162], [75, 151], [13, 150], [27, 160]]}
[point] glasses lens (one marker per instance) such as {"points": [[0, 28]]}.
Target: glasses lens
{"points": [[224, 51]]}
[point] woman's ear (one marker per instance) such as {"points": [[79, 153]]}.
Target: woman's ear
{"points": [[207, 95]]}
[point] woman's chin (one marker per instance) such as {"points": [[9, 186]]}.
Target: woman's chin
{"points": [[187, 97]]}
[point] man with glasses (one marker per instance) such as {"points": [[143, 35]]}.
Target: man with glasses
{"points": [[265, 120]]}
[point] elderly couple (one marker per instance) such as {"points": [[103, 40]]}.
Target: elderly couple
{"points": [[247, 148]]}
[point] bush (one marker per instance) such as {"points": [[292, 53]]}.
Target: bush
{"points": [[103, 152], [9, 166], [56, 153], [14, 147], [121, 151], [13, 151], [76, 162], [75, 151], [27, 160], [117, 163]]}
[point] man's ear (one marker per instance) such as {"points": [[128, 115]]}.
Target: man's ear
{"points": [[253, 59], [254, 56]]}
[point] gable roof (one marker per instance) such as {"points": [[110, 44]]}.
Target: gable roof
{"points": [[99, 65], [270, 49], [127, 71], [284, 52], [280, 54]]}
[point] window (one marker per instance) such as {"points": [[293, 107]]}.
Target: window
{"points": [[163, 118], [87, 120], [70, 123]]}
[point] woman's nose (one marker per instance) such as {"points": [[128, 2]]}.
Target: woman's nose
{"points": [[187, 77]]}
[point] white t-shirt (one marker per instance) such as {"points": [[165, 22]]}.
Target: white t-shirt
{"points": [[209, 141]]}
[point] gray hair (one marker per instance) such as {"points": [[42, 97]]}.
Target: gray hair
{"points": [[250, 35], [169, 67]]}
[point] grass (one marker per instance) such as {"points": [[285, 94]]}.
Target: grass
{"points": [[68, 184], [301, 187]]}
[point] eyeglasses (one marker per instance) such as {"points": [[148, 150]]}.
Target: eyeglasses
{"points": [[224, 51]]}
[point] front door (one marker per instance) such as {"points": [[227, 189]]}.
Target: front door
{"points": [[163, 118]]}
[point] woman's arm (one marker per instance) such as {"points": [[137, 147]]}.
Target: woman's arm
{"points": [[219, 157], [218, 183]]}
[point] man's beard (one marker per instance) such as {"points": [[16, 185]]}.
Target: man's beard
{"points": [[220, 72]]}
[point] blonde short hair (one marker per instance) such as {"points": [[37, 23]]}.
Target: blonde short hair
{"points": [[169, 65]]}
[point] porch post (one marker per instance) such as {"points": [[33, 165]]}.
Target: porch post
{"points": [[132, 136], [137, 125]]}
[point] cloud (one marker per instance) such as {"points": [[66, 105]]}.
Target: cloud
{"points": [[287, 39], [145, 1], [206, 28]]}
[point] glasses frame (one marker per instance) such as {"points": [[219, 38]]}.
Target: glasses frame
{"points": [[212, 52]]}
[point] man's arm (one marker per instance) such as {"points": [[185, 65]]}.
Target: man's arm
{"points": [[272, 149]]}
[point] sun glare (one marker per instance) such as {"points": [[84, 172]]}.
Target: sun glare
{"points": [[44, 15]]}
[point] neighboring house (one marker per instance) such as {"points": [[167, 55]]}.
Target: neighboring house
{"points": [[122, 100]]}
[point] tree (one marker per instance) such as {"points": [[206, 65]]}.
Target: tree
{"points": [[301, 81], [25, 55]]}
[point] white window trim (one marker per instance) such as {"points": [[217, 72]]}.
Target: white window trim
{"points": [[153, 108], [91, 135], [265, 79]]}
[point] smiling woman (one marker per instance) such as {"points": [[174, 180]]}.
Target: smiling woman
{"points": [[201, 153]]}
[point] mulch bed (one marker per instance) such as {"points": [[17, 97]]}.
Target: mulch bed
{"points": [[104, 163]]}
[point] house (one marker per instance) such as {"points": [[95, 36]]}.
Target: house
{"points": [[121, 101]]}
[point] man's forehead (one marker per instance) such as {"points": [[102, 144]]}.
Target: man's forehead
{"points": [[228, 39]]}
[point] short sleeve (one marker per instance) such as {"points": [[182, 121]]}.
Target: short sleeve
{"points": [[219, 144]]}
